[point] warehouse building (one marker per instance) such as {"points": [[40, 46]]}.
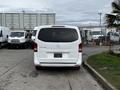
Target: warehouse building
{"points": [[26, 21]]}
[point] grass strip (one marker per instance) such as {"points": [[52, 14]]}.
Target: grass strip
{"points": [[108, 66]]}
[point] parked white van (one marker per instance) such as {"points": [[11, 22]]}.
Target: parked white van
{"points": [[4, 33], [114, 36], [18, 38], [34, 31], [96, 34], [58, 46]]}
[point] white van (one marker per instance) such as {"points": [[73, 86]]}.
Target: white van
{"points": [[96, 35], [4, 33], [18, 38], [34, 31], [58, 46], [114, 36]]}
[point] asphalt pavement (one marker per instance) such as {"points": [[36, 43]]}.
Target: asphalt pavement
{"points": [[17, 72]]}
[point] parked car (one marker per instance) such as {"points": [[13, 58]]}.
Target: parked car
{"points": [[4, 33], [18, 38], [58, 46]]}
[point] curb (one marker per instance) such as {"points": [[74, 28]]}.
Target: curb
{"points": [[99, 78]]}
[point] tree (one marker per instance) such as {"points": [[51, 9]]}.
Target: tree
{"points": [[113, 19]]}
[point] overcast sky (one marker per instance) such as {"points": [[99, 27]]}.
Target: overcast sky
{"points": [[67, 11]]}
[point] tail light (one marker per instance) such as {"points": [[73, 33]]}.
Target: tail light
{"points": [[80, 47], [35, 47]]}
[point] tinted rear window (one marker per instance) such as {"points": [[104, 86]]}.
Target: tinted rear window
{"points": [[58, 35]]}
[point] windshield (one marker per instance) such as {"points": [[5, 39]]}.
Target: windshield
{"points": [[17, 34], [113, 34], [96, 32], [34, 32], [58, 35]]}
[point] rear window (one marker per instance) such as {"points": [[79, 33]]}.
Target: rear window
{"points": [[58, 35]]}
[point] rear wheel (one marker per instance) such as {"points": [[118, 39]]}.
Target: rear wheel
{"points": [[37, 67], [26, 45], [77, 68], [0, 45], [9, 46]]}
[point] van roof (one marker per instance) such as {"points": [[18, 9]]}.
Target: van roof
{"points": [[55, 26], [3, 27]]}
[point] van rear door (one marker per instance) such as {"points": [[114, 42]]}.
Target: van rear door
{"points": [[58, 43]]}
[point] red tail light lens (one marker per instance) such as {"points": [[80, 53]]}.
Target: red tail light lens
{"points": [[35, 47], [80, 47]]}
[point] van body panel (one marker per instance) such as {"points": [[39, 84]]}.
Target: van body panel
{"points": [[34, 31], [4, 33]]}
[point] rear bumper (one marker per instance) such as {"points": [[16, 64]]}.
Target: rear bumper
{"points": [[59, 63]]}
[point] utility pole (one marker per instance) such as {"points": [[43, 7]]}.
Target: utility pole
{"points": [[100, 27], [100, 22], [23, 11]]}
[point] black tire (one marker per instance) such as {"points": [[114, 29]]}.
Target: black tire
{"points": [[0, 45], [9, 46], [77, 68], [26, 45], [37, 67]]}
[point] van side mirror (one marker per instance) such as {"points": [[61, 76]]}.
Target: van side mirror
{"points": [[7, 36]]}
